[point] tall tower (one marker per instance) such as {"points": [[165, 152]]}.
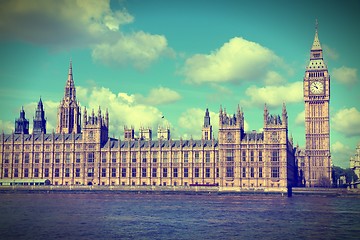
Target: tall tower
{"points": [[69, 120], [317, 128], [207, 128], [39, 125], [22, 124]]}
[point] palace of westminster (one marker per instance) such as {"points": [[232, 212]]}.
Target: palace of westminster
{"points": [[81, 152]]}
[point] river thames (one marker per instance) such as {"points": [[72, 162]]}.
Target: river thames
{"points": [[177, 216]]}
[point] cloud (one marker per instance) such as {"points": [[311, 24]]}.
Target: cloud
{"points": [[329, 52], [236, 61], [191, 121], [274, 96], [60, 22], [338, 147], [122, 107], [66, 24], [300, 118], [274, 78], [158, 96], [139, 49], [347, 122], [345, 75], [7, 126]]}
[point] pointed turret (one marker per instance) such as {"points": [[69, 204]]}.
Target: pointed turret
{"points": [[69, 110], [316, 44], [39, 125], [207, 128], [22, 124]]}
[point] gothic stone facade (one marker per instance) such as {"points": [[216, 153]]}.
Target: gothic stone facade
{"points": [[74, 156]]}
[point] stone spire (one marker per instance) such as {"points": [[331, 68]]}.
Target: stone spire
{"points": [[69, 120], [39, 125], [316, 44], [22, 124]]}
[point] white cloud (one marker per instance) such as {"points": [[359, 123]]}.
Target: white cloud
{"points": [[123, 110], [236, 61], [347, 122], [191, 121], [345, 75], [7, 126], [274, 95], [60, 22], [158, 96], [339, 147], [329, 52], [64, 24], [138, 49], [274, 78], [300, 118]]}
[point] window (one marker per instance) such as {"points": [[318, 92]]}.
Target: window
{"points": [[154, 157], [196, 174], [217, 157], [133, 172], [77, 172], [252, 172], [275, 172], [57, 157], [67, 158], [260, 172], [46, 173], [90, 172], [143, 157], [36, 158], [6, 172], [16, 160], [176, 157], [26, 158], [243, 172], [90, 157], [26, 172], [47, 157], [275, 156], [207, 156], [207, 172], [217, 172], [103, 157], [123, 157], [243, 155], [36, 172], [57, 172], [77, 156], [229, 155], [153, 174], [251, 156], [196, 156], [260, 156], [186, 172], [113, 157], [143, 172], [175, 172], [165, 172], [123, 172], [133, 157], [229, 171], [6, 158], [103, 172], [165, 157], [16, 173], [186, 157], [67, 172], [113, 172]]}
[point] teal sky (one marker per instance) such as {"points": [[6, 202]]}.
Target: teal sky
{"points": [[147, 59]]}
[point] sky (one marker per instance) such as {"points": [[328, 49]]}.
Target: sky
{"points": [[142, 60]]}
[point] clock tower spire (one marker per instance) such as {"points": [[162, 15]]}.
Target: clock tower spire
{"points": [[317, 127]]}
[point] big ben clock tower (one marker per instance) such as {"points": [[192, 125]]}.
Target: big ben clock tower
{"points": [[317, 128]]}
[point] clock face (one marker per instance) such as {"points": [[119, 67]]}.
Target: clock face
{"points": [[316, 87]]}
